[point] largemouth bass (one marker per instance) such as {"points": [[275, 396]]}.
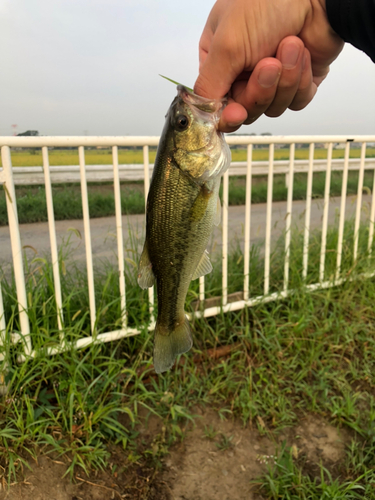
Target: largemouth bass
{"points": [[182, 207]]}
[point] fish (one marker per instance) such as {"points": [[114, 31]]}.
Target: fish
{"points": [[182, 207]]}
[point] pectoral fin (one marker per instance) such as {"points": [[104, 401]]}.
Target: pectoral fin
{"points": [[146, 277], [204, 267], [200, 204]]}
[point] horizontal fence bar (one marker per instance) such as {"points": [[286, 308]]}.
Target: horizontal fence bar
{"points": [[86, 341], [24, 176], [262, 299], [109, 141]]}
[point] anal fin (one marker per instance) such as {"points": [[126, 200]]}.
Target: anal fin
{"points": [[146, 277], [204, 267]]}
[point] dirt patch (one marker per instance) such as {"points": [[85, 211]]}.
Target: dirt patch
{"points": [[120, 480], [319, 441], [218, 459], [226, 466]]}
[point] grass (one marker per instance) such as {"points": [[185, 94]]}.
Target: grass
{"points": [[32, 207], [67, 202], [312, 353], [285, 480]]}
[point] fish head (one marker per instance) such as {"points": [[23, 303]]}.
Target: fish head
{"points": [[199, 148]]}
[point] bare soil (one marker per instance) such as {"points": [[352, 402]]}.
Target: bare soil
{"points": [[217, 460]]}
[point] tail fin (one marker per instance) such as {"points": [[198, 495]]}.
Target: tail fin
{"points": [[168, 345]]}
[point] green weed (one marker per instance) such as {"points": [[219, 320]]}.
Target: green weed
{"points": [[285, 480]]}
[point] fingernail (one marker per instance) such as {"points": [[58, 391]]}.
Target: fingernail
{"points": [[289, 55], [268, 76]]}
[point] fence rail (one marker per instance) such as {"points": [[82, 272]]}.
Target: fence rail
{"points": [[8, 176], [62, 174]]}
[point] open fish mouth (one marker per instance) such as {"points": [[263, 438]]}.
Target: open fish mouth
{"points": [[212, 106], [200, 148]]}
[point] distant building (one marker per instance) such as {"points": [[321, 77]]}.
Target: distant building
{"points": [[29, 133]]}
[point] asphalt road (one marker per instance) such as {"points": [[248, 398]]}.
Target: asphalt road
{"points": [[35, 237]]}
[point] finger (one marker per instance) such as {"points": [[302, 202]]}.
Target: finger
{"points": [[290, 52], [254, 95], [319, 79], [307, 88], [232, 117], [220, 67]]}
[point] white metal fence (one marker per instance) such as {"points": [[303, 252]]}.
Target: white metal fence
{"points": [[249, 169]]}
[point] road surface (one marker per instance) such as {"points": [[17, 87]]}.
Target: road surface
{"points": [[35, 237]]}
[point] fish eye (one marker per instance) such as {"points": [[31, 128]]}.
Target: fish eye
{"points": [[182, 122]]}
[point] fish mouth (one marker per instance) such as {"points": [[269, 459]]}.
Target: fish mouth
{"points": [[212, 106]]}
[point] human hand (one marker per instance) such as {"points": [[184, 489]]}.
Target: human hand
{"points": [[250, 50]]}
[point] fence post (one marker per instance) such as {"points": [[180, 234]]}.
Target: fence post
{"points": [[86, 225], [146, 168], [53, 241], [3, 386], [15, 239]]}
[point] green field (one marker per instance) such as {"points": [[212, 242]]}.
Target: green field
{"points": [[28, 158]]}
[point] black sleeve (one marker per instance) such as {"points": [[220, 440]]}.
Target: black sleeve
{"points": [[354, 22]]}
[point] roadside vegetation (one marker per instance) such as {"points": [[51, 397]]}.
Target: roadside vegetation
{"points": [[32, 206], [310, 354]]}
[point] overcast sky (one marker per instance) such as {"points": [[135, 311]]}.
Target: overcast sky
{"points": [[91, 67]]}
